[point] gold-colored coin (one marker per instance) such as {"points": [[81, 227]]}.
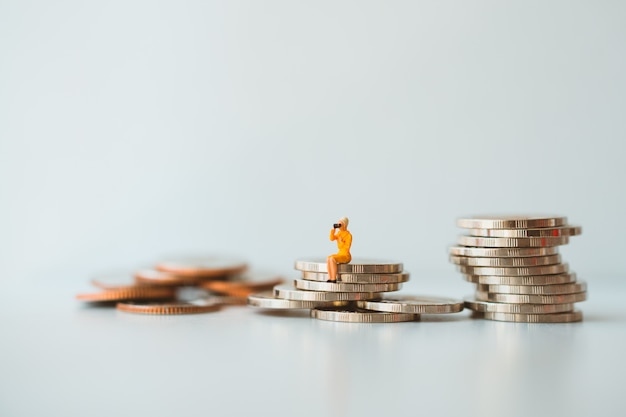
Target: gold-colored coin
{"points": [[513, 221], [516, 271], [356, 266], [531, 299], [534, 318], [415, 304], [512, 242], [534, 289], [302, 284], [166, 279], [240, 288], [129, 294], [290, 293], [357, 315], [522, 280], [502, 252], [546, 232], [358, 278], [487, 306], [267, 299], [170, 308], [506, 262], [203, 267]]}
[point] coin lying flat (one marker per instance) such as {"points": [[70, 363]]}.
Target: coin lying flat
{"points": [[515, 271], [170, 308], [267, 299], [531, 299], [535, 289], [302, 284], [511, 242], [414, 304], [160, 278], [546, 232], [203, 267], [502, 252], [290, 293], [511, 221], [535, 318], [356, 266], [129, 294], [357, 315], [358, 278], [506, 262], [522, 280], [240, 288], [487, 306]]}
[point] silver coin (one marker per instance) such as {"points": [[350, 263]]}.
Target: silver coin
{"points": [[358, 278], [513, 221], [511, 242], [546, 232], [486, 306], [302, 284], [267, 299], [535, 289], [535, 318], [414, 304], [356, 266], [502, 252], [290, 293], [357, 315], [522, 280], [506, 262], [515, 271], [531, 299]]}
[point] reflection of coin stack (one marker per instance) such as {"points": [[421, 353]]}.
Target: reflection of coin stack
{"points": [[356, 297], [514, 262]]}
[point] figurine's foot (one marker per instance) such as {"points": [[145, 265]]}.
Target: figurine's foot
{"points": [[334, 281]]}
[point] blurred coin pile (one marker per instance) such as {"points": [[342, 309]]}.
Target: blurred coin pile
{"points": [[357, 296], [182, 286], [518, 271]]}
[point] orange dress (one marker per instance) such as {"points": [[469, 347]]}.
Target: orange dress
{"points": [[344, 241]]}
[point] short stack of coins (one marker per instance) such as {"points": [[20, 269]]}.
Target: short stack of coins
{"points": [[518, 271], [356, 297]]}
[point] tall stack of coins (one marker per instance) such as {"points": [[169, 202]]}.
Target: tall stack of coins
{"points": [[357, 297], [518, 271], [181, 286]]}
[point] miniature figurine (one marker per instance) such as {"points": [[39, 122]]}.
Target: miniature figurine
{"points": [[340, 233]]}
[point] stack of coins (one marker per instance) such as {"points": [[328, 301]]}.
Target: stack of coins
{"points": [[357, 297], [182, 286], [518, 271]]}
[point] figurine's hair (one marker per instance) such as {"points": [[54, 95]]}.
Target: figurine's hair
{"points": [[345, 221]]}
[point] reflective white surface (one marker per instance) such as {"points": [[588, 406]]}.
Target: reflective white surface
{"points": [[60, 357]]}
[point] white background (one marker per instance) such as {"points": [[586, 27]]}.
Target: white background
{"points": [[133, 129]]}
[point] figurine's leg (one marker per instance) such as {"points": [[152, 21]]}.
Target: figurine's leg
{"points": [[331, 263]]}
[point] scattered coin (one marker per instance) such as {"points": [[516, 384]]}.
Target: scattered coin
{"points": [[535, 318], [535, 289], [170, 308], [414, 304], [511, 242], [240, 288], [357, 315], [356, 266], [506, 262], [502, 252], [203, 267], [267, 299], [511, 221], [345, 287], [160, 278], [358, 278], [487, 306], [129, 294], [522, 280]]}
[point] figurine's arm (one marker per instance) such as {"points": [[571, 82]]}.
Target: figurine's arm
{"points": [[332, 234], [348, 240]]}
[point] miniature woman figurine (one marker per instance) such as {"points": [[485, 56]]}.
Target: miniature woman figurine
{"points": [[339, 233]]}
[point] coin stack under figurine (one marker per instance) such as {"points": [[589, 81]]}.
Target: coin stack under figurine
{"points": [[515, 264], [356, 297]]}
